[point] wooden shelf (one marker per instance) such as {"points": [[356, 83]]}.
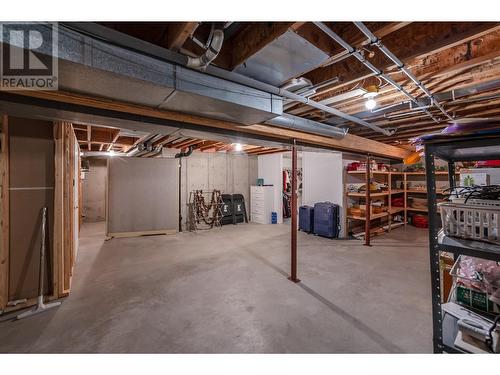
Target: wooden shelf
{"points": [[372, 216], [396, 210], [364, 172], [362, 195], [396, 191], [423, 191], [423, 173], [417, 209]]}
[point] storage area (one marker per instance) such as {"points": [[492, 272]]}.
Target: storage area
{"points": [[252, 187]]}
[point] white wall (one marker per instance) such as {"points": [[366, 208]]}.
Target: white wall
{"points": [[323, 179], [271, 170]]}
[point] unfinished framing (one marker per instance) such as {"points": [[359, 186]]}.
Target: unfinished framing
{"points": [[63, 250]]}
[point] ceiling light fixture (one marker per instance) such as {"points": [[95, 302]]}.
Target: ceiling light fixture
{"points": [[111, 153], [370, 104], [238, 147]]}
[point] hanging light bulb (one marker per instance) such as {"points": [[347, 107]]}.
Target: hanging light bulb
{"points": [[238, 147], [370, 103]]}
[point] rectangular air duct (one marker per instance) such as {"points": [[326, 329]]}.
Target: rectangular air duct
{"points": [[92, 67]]}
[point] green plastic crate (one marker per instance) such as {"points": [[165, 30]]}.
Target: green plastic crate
{"points": [[475, 299]]}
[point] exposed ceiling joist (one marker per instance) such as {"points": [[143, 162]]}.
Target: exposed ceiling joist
{"points": [[416, 41], [252, 38], [178, 33]]}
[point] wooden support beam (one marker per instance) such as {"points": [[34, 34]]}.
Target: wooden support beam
{"points": [[89, 137], [178, 33], [259, 150], [58, 208], [209, 145], [191, 143], [162, 141], [185, 143], [4, 212], [348, 143], [271, 151], [348, 31], [114, 140]]}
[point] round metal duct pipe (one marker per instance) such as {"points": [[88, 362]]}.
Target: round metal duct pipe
{"points": [[305, 125]]}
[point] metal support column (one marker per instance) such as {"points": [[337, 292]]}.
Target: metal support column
{"points": [[451, 174], [368, 202], [434, 225], [293, 270]]}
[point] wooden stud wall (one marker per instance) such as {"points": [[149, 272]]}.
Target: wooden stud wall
{"points": [[64, 246], [66, 180]]}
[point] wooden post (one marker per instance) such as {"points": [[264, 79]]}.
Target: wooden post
{"points": [[58, 247], [405, 195], [4, 214], [293, 271], [368, 201], [389, 198]]}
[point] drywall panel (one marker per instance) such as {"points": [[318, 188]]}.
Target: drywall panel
{"points": [[142, 195], [94, 191], [271, 170], [323, 179], [31, 188]]}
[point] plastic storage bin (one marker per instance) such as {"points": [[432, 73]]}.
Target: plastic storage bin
{"points": [[479, 220]]}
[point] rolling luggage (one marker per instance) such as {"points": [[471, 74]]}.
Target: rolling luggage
{"points": [[306, 219], [326, 219]]}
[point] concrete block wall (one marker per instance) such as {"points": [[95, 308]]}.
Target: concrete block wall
{"points": [[229, 173]]}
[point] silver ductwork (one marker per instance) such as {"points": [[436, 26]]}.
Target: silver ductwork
{"points": [[210, 54], [276, 94], [308, 126]]}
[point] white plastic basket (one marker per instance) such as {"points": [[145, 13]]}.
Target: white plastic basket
{"points": [[472, 221]]}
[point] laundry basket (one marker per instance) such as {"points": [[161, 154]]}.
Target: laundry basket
{"points": [[477, 220]]}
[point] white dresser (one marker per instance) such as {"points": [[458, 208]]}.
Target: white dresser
{"points": [[262, 203]]}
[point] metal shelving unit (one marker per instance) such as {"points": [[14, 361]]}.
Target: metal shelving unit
{"points": [[453, 149]]}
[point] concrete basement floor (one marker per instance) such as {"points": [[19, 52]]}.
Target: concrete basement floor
{"points": [[225, 291]]}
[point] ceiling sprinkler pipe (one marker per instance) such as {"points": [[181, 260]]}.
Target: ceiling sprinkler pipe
{"points": [[352, 51], [376, 41], [309, 126]]}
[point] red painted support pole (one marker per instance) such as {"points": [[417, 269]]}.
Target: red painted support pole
{"points": [[293, 272], [368, 205]]}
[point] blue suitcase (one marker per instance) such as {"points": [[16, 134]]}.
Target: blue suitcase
{"points": [[326, 219], [306, 219]]}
